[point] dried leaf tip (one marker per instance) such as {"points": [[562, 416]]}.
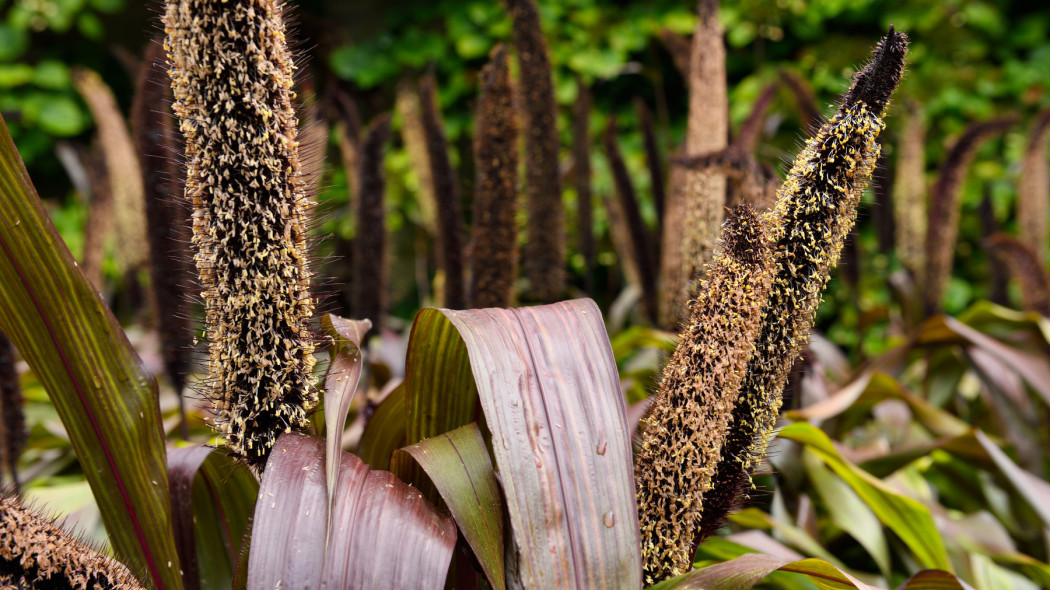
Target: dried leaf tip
{"points": [[876, 82]]}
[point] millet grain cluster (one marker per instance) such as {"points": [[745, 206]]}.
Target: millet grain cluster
{"points": [[231, 74], [729, 411]]}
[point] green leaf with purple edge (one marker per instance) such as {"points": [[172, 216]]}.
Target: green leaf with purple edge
{"points": [[385, 430], [224, 496], [340, 385], [906, 517], [551, 396], [105, 397], [440, 392], [183, 464], [384, 533], [458, 464], [212, 496]]}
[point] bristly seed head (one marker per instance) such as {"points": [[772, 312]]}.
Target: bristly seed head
{"points": [[36, 553], [231, 75], [692, 414]]}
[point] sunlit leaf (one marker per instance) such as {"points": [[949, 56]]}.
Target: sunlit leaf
{"points": [[909, 519]]}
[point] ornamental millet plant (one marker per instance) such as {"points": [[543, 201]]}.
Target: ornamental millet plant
{"points": [[231, 74], [721, 393]]}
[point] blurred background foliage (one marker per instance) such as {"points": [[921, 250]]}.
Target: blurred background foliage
{"points": [[971, 60]]}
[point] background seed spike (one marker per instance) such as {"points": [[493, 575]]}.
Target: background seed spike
{"points": [[943, 222], [581, 156], [123, 170], [1033, 191], [816, 209], [494, 265], [545, 248], [370, 243], [694, 205], [652, 158], [231, 75], [446, 194], [1026, 267], [691, 415], [167, 216], [641, 242], [12, 414], [909, 190], [36, 552]]}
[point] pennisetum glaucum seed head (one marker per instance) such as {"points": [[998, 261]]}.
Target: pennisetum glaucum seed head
{"points": [[1025, 266], [721, 392], [943, 223], [231, 74], [816, 208], [370, 243], [494, 265], [688, 422], [37, 553], [545, 249], [1033, 202]]}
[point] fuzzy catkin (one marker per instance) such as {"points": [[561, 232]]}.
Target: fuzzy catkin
{"points": [[1033, 190], [495, 239], [167, 215], [692, 412], [816, 209], [36, 553], [943, 221], [370, 249], [231, 75], [545, 248]]}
